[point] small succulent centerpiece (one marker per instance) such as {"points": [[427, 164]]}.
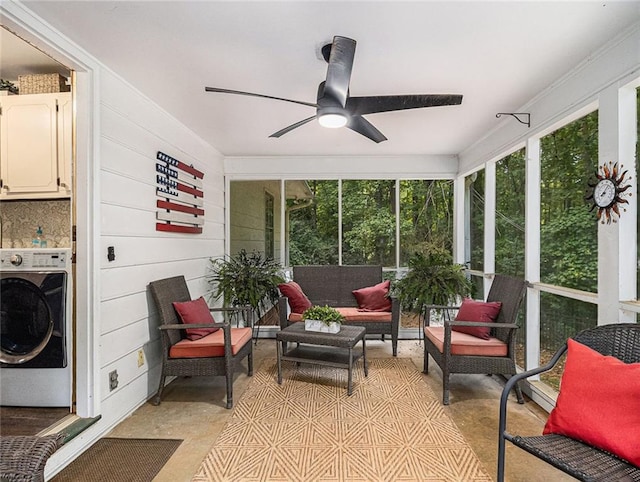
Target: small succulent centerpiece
{"points": [[322, 318]]}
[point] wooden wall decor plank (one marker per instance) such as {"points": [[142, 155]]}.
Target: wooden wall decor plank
{"points": [[179, 207], [177, 228]]}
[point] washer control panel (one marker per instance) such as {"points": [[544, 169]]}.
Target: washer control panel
{"points": [[35, 259]]}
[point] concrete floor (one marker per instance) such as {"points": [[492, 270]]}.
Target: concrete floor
{"points": [[193, 410]]}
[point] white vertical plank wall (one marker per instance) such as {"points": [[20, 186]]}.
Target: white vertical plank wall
{"points": [[132, 130]]}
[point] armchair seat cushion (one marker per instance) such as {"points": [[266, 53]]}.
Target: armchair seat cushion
{"points": [[354, 314], [211, 345], [465, 344]]}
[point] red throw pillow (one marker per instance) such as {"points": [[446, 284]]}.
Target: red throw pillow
{"points": [[599, 402], [298, 301], [472, 310], [195, 312], [374, 298]]}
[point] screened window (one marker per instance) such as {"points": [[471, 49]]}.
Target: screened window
{"points": [[368, 222], [568, 231], [475, 192], [561, 318], [510, 203], [426, 216], [313, 224]]}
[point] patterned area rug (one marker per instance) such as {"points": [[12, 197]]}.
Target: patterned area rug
{"points": [[392, 427]]}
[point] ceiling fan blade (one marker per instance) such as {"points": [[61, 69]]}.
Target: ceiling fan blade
{"points": [[366, 128], [292, 126], [387, 103], [250, 94], [343, 50]]}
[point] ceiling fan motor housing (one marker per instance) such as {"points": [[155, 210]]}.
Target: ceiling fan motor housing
{"points": [[336, 108]]}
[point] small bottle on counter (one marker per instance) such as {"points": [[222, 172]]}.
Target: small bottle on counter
{"points": [[38, 241]]}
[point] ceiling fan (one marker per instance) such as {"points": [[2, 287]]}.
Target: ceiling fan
{"points": [[336, 108]]}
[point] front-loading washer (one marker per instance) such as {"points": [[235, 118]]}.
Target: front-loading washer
{"points": [[35, 328]]}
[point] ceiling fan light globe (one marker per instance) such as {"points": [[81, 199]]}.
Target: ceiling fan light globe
{"points": [[332, 121]]}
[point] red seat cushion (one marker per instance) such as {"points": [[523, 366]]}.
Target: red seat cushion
{"points": [[479, 311], [353, 314], [465, 344], [211, 345], [599, 402], [195, 312], [298, 301], [374, 298]]}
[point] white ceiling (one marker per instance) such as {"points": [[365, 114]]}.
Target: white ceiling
{"points": [[499, 55]]}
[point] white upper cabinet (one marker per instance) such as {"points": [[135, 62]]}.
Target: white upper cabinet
{"points": [[35, 146]]}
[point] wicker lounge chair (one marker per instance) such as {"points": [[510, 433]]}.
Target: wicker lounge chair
{"points": [[23, 457], [442, 344], [573, 457], [233, 347]]}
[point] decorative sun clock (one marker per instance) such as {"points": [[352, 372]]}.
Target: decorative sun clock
{"points": [[608, 191]]}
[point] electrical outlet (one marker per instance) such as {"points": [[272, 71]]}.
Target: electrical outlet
{"points": [[113, 380], [140, 358]]}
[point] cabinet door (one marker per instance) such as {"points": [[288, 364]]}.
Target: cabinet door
{"points": [[28, 145], [65, 143]]}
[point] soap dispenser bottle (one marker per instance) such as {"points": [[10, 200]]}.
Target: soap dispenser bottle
{"points": [[37, 240]]}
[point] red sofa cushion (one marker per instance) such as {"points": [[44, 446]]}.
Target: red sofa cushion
{"points": [[374, 298], [599, 402], [298, 301], [211, 345], [479, 311], [195, 312]]}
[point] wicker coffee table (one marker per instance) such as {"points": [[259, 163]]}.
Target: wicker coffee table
{"points": [[329, 349]]}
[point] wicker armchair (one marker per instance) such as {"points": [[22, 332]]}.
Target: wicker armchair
{"points": [[572, 456], [23, 457], [455, 354], [234, 346]]}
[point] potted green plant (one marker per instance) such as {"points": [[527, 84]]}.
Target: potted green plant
{"points": [[322, 318], [246, 279], [432, 279]]}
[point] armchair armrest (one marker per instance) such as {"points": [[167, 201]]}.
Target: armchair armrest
{"points": [[184, 326], [441, 307], [502, 421], [283, 303], [428, 308], [513, 380], [231, 308], [244, 309]]}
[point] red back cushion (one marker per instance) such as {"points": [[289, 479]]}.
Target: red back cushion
{"points": [[599, 402], [298, 301], [374, 298], [195, 312], [472, 310]]}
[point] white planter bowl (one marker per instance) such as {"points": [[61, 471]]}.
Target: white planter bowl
{"points": [[321, 326]]}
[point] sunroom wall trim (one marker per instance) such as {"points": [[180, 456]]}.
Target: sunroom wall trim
{"points": [[347, 167]]}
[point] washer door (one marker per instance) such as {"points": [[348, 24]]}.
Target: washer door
{"points": [[26, 323]]}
